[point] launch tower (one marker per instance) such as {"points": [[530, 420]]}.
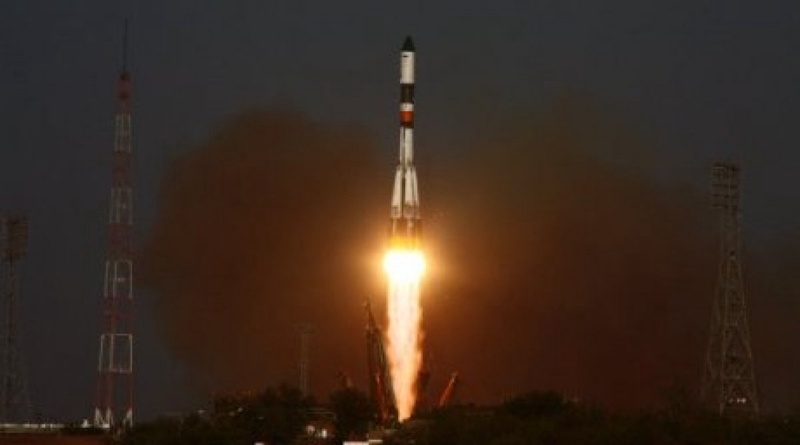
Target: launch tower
{"points": [[380, 379], [728, 380], [114, 404]]}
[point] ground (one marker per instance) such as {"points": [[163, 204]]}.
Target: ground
{"points": [[51, 439]]}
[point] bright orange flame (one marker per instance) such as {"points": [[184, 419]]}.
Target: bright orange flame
{"points": [[405, 269]]}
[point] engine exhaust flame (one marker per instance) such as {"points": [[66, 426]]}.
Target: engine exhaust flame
{"points": [[405, 269]]}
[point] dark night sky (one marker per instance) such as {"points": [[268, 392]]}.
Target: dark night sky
{"points": [[638, 97]]}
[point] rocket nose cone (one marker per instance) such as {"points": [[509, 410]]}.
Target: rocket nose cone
{"points": [[408, 45]]}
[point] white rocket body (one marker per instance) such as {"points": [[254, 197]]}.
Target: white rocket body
{"points": [[406, 222]]}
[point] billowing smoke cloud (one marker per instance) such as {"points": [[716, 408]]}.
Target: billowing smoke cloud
{"points": [[567, 268], [268, 225], [555, 262]]}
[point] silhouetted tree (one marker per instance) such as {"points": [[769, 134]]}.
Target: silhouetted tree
{"points": [[353, 410], [277, 416], [273, 416]]}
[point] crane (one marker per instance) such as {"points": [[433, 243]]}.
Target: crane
{"points": [[449, 390]]}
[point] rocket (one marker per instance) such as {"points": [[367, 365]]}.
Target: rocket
{"points": [[406, 223]]}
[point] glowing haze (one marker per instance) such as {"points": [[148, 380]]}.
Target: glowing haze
{"points": [[606, 272], [405, 269]]}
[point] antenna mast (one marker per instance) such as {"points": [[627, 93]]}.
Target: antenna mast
{"points": [[306, 331]]}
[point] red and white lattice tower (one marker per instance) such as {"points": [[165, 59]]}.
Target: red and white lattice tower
{"points": [[114, 404]]}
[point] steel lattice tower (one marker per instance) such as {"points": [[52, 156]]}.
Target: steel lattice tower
{"points": [[729, 380], [15, 405], [114, 404]]}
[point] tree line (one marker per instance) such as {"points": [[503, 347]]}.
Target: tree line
{"points": [[283, 416]]}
